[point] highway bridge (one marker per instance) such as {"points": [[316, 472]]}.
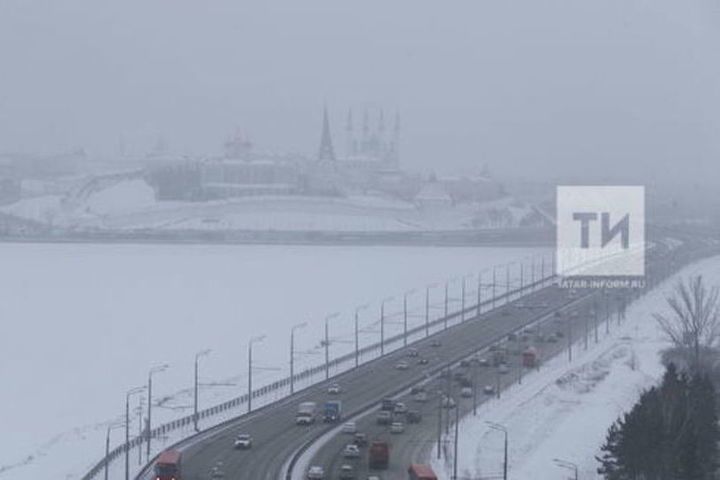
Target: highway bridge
{"points": [[283, 450]]}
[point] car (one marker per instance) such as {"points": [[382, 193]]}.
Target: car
{"points": [[397, 427], [413, 416], [316, 472], [334, 389], [373, 477], [423, 361], [552, 338], [243, 442], [413, 352], [421, 397], [503, 369], [400, 408], [436, 343], [384, 417], [402, 365], [217, 472], [512, 337], [466, 392], [351, 451], [459, 376], [417, 389], [489, 389], [349, 427], [347, 472], [445, 373], [483, 362], [448, 402], [360, 439], [465, 382], [464, 363]]}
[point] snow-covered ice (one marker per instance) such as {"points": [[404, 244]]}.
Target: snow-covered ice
{"points": [[89, 321]]}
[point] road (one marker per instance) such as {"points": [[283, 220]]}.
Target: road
{"points": [[277, 439]]}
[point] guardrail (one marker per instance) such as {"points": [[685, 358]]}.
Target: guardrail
{"points": [[306, 374]]}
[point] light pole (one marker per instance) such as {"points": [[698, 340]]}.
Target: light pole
{"points": [[130, 393], [357, 333], [447, 287], [567, 465], [501, 428], [405, 316], [292, 354], [494, 285], [327, 343], [107, 445], [427, 308], [253, 340], [198, 356], [462, 304], [154, 370], [382, 325]]}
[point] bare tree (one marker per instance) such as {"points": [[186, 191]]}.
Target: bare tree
{"points": [[693, 323]]}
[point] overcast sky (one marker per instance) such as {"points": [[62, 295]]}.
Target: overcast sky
{"points": [[542, 88]]}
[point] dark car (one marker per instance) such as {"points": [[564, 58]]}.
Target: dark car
{"points": [[413, 416]]}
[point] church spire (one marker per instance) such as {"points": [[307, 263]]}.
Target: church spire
{"points": [[326, 153]]}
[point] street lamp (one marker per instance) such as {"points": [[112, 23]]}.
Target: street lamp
{"points": [[110, 427], [154, 370], [568, 465], [427, 308], [501, 428], [195, 395], [292, 354], [131, 392], [462, 304], [357, 333], [327, 343], [405, 315], [382, 324], [250, 370], [494, 285]]}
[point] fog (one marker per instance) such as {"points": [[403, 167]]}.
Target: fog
{"points": [[620, 90]]}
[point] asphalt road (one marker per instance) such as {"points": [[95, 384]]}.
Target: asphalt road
{"points": [[277, 438]]}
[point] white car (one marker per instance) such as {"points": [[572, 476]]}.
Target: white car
{"points": [[349, 427], [316, 473], [351, 451], [397, 427], [420, 397], [448, 402], [489, 389], [243, 441], [334, 389], [402, 365], [466, 392], [503, 369], [400, 408]]}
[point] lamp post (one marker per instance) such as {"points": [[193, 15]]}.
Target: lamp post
{"points": [[427, 308], [501, 428], [154, 370], [250, 369], [198, 356], [405, 316], [357, 333], [568, 465], [292, 354], [327, 343], [107, 445], [494, 285], [507, 283], [130, 393], [447, 293], [382, 325]]}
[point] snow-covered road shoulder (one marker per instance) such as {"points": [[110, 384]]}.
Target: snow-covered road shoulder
{"points": [[564, 410]]}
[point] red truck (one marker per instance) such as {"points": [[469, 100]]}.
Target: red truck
{"points": [[167, 466], [379, 455], [421, 472]]}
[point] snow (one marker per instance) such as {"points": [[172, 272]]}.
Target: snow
{"points": [[564, 410], [89, 321], [130, 204]]}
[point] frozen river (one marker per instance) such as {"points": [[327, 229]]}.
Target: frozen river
{"points": [[84, 323]]}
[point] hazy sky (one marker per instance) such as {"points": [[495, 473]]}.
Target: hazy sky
{"points": [[542, 87]]}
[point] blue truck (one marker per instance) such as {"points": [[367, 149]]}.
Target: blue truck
{"points": [[332, 412]]}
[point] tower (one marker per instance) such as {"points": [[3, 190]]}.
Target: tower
{"points": [[326, 153]]}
